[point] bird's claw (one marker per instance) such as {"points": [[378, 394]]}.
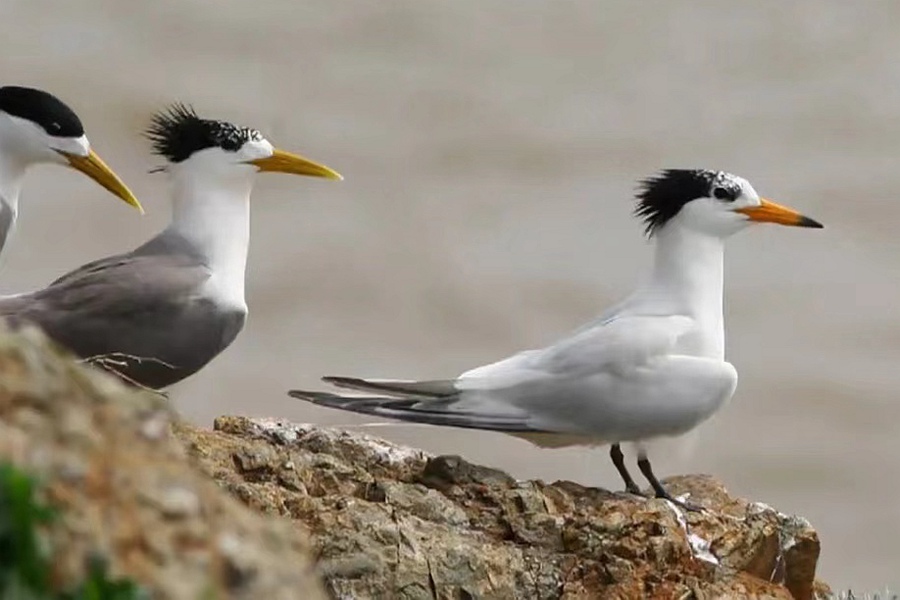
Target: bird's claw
{"points": [[683, 504], [634, 490]]}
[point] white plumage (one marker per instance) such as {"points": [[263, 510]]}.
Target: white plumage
{"points": [[653, 366]]}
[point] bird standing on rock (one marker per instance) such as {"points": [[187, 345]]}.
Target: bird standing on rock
{"points": [[651, 367]]}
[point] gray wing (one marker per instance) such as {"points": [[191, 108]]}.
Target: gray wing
{"points": [[433, 402], [435, 411], [142, 309], [424, 389], [537, 391], [122, 285]]}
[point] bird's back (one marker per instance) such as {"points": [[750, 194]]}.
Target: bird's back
{"points": [[139, 314]]}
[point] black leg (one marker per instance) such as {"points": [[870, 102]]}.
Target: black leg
{"points": [[658, 489], [618, 460]]}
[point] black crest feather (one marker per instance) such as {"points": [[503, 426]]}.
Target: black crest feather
{"points": [[661, 196], [177, 132], [43, 108]]}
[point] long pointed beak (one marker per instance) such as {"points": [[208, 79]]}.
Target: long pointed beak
{"points": [[769, 212], [285, 162], [94, 167]]}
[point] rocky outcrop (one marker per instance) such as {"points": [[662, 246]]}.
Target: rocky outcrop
{"points": [[269, 509], [126, 490], [392, 522]]}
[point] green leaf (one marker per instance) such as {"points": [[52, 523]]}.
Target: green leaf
{"points": [[25, 563]]}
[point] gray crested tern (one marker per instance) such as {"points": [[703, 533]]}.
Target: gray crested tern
{"points": [[161, 312]]}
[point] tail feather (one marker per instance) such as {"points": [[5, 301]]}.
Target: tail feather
{"points": [[424, 389], [432, 411]]}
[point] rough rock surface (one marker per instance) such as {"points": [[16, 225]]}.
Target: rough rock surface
{"points": [[382, 521], [126, 490], [392, 522]]}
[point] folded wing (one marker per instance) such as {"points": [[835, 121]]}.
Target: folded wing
{"points": [[530, 392]]}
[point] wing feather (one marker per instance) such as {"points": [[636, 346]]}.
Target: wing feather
{"points": [[432, 412], [530, 392]]}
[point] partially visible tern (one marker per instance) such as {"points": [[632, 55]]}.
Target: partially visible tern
{"points": [[161, 312], [651, 367], [36, 127]]}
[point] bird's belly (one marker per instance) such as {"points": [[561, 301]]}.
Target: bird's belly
{"points": [[667, 398]]}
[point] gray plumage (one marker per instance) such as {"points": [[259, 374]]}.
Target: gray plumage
{"points": [[160, 313], [433, 402], [139, 313]]}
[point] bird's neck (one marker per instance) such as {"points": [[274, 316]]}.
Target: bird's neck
{"points": [[687, 278], [214, 217], [12, 173]]}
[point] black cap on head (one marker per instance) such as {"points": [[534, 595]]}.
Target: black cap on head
{"points": [[42, 108], [177, 132], [661, 197]]}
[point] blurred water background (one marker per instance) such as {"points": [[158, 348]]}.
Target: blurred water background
{"points": [[490, 150]]}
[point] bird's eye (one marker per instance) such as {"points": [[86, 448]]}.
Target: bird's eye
{"points": [[725, 194], [55, 126]]}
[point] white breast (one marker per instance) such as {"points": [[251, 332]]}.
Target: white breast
{"points": [[226, 290]]}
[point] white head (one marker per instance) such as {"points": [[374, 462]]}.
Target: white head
{"points": [[213, 165], [712, 202], [218, 153], [37, 127]]}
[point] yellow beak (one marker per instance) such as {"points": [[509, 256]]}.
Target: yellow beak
{"points": [[769, 212], [92, 166], [285, 162]]}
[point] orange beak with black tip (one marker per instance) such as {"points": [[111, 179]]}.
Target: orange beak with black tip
{"points": [[769, 212]]}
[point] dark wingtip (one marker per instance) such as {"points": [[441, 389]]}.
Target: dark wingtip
{"points": [[318, 398], [812, 223]]}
